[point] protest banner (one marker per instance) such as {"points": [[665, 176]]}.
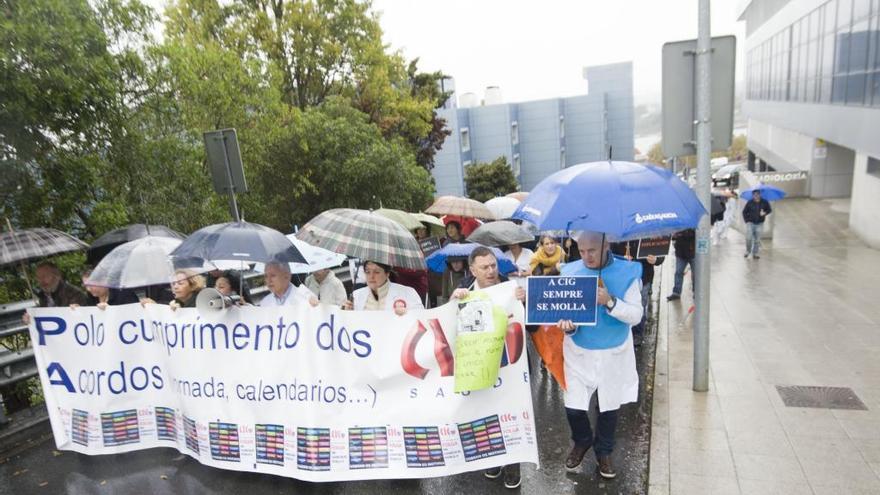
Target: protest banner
{"points": [[429, 245], [550, 299], [656, 246], [318, 394]]}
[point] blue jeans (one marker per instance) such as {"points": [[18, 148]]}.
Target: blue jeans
{"points": [[582, 434], [753, 237], [680, 265]]}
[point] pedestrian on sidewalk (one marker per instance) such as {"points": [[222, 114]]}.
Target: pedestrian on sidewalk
{"points": [[685, 244], [754, 214], [600, 359], [484, 274]]}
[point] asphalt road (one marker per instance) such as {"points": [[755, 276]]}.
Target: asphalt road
{"points": [[40, 469]]}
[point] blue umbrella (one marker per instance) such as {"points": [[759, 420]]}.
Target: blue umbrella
{"points": [[621, 199], [239, 241], [437, 261], [770, 193]]}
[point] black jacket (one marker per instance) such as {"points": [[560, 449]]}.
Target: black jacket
{"points": [[64, 295], [752, 211], [468, 281], [117, 297], [685, 243]]}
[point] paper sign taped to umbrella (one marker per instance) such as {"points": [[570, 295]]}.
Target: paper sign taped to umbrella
{"points": [[482, 327], [654, 246], [550, 299]]}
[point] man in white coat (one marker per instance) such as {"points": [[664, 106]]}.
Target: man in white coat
{"points": [[281, 291], [600, 359]]}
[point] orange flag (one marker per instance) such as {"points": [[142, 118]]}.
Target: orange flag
{"points": [[548, 342]]}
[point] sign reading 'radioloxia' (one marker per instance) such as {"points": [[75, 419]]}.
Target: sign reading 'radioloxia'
{"points": [[318, 394]]}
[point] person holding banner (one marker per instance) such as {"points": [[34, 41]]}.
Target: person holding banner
{"points": [[600, 359], [629, 250], [484, 274], [383, 294], [281, 291]]}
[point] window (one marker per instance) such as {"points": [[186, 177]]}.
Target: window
{"points": [[514, 133], [465, 140], [873, 166], [562, 127], [516, 165], [562, 157], [466, 163]]}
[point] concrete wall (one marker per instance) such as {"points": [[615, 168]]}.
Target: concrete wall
{"points": [[864, 213], [490, 133], [538, 140], [615, 82], [833, 176], [585, 140]]}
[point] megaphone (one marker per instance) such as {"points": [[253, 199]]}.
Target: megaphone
{"points": [[211, 300]]}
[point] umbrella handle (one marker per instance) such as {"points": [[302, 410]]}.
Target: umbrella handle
{"points": [[27, 278]]}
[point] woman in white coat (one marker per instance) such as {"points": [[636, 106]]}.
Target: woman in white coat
{"points": [[383, 294]]}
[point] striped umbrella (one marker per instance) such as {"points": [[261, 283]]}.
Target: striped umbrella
{"points": [[27, 244], [455, 205], [364, 235]]}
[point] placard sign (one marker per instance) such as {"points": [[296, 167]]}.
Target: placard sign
{"points": [[550, 299], [656, 246], [429, 245]]}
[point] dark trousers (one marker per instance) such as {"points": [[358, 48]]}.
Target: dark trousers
{"points": [[582, 433]]}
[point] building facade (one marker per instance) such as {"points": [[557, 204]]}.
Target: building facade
{"points": [[813, 98], [539, 137]]}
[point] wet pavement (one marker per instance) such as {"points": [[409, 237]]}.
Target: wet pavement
{"points": [[40, 469]]}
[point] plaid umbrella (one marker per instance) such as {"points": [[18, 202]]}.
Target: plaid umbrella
{"points": [[364, 235], [455, 205], [27, 244], [104, 244], [405, 219]]}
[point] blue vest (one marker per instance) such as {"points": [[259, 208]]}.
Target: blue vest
{"points": [[617, 276]]}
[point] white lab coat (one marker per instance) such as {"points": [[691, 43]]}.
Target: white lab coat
{"points": [[610, 371], [395, 292]]}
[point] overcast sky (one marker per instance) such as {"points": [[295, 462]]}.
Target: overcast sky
{"points": [[537, 49]]}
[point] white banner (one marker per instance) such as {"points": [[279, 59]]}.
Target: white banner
{"points": [[318, 394]]}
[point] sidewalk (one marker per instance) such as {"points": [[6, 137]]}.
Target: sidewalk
{"points": [[807, 313]]}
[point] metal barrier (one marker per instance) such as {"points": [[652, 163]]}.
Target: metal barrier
{"points": [[15, 366]]}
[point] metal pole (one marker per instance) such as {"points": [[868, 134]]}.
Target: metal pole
{"points": [[233, 205], [704, 148]]}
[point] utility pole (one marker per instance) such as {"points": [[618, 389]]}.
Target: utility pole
{"points": [[704, 148]]}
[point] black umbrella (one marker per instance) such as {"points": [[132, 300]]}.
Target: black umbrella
{"points": [[103, 245], [240, 241], [499, 233]]}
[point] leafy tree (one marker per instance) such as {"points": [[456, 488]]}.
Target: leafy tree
{"points": [[484, 181]]}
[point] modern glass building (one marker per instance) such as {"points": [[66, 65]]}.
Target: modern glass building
{"points": [[813, 98], [538, 137]]}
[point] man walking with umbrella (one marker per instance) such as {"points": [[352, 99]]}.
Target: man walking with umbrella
{"points": [[754, 214], [281, 291], [600, 359]]}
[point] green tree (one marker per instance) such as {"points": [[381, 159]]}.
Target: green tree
{"points": [[484, 181]]}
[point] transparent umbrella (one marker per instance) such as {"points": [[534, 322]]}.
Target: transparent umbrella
{"points": [[140, 263]]}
